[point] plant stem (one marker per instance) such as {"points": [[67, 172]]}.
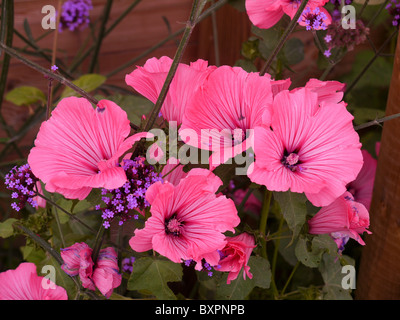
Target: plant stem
{"points": [[66, 212], [40, 241], [274, 260], [284, 37], [106, 14], [290, 278], [263, 221], [376, 122], [48, 73], [98, 242]]}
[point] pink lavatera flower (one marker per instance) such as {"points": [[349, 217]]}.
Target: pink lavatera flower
{"points": [[362, 187], [266, 13], [149, 79], [79, 147], [188, 220], [342, 219], [23, 283], [235, 256], [308, 147], [223, 112]]}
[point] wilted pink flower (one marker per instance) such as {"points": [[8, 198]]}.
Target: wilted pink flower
{"points": [[106, 276], [78, 261], [266, 13], [362, 187], [222, 113], [79, 147], [308, 147], [342, 219], [188, 220], [149, 79], [235, 256], [23, 283]]}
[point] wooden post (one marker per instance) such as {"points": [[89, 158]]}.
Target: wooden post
{"points": [[379, 272]]}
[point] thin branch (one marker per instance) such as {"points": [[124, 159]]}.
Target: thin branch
{"points": [[48, 73]]}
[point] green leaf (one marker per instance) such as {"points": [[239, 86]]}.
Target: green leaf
{"points": [[6, 228], [294, 209], [331, 271], [87, 82], [25, 96], [153, 275], [240, 288], [310, 252]]}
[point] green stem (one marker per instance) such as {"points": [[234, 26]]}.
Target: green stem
{"points": [[290, 278], [59, 227], [40, 241], [284, 37], [274, 260], [106, 14], [263, 221], [97, 243], [66, 212]]}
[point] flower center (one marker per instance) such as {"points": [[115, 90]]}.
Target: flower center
{"points": [[173, 226], [291, 161]]}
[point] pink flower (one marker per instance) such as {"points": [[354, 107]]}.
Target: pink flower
{"points": [[342, 219], [23, 283], [149, 79], [106, 276], [78, 261], [307, 147], [266, 13], [188, 220], [79, 147], [235, 256], [222, 113], [362, 187]]}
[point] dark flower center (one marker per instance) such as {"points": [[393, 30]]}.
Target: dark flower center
{"points": [[291, 160], [173, 225]]}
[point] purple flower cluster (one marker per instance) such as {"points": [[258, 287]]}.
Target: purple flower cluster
{"points": [[338, 37], [313, 20], [75, 13], [336, 14], [131, 196], [394, 10], [22, 184]]}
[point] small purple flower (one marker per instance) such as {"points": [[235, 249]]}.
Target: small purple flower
{"points": [[54, 68], [127, 264], [75, 14], [327, 53]]}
